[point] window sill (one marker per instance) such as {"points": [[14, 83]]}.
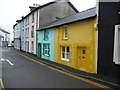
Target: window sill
{"points": [[65, 60], [46, 55], [65, 38]]}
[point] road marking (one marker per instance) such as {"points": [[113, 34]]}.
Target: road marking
{"points": [[9, 62], [2, 59], [1, 84], [80, 78], [83, 79]]}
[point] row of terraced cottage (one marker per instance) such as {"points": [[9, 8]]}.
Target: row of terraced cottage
{"points": [[87, 40]]}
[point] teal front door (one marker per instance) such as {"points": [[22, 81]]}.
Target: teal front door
{"points": [[39, 50]]}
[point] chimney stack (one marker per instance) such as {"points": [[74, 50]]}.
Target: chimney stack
{"points": [[62, 0], [33, 7]]}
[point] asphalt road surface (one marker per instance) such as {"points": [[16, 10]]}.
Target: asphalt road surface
{"points": [[20, 72]]}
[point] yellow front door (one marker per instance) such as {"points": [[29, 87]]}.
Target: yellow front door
{"points": [[82, 58]]}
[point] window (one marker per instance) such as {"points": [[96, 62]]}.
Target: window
{"points": [[26, 32], [46, 32], [65, 32], [116, 57], [83, 51], [28, 21], [32, 17], [32, 32], [32, 48], [46, 50], [65, 53]]}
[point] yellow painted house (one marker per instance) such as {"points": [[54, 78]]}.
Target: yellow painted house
{"points": [[75, 41]]}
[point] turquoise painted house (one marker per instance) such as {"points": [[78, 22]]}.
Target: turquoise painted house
{"points": [[45, 44]]}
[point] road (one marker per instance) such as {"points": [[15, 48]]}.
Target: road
{"points": [[20, 72]]}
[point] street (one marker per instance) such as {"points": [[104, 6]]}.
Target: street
{"points": [[20, 72]]}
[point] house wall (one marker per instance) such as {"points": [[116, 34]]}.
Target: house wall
{"points": [[17, 34], [22, 36], [33, 39], [61, 10], [108, 18], [50, 41], [80, 34]]}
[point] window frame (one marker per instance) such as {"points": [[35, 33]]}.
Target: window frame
{"points": [[33, 17], [32, 32], [65, 34], [32, 45], [116, 58], [66, 54], [48, 50]]}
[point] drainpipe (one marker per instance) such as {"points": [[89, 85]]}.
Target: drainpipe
{"points": [[96, 38]]}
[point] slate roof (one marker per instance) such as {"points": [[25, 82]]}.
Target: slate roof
{"points": [[4, 31], [50, 3], [74, 18]]}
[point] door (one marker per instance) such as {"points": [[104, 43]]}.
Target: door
{"points": [[39, 49], [82, 59]]}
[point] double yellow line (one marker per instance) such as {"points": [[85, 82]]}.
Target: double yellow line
{"points": [[80, 78], [1, 84]]}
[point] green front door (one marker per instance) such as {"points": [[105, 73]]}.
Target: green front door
{"points": [[39, 50]]}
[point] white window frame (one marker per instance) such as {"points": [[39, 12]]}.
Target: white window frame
{"points": [[46, 49], [65, 53], [65, 32], [33, 17], [116, 57]]}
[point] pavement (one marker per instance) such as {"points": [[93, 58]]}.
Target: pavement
{"points": [[24, 69], [105, 80]]}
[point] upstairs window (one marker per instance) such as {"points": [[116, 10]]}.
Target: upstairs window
{"points": [[28, 20], [46, 32], [65, 53], [33, 18], [26, 32], [32, 32], [65, 32], [116, 57]]}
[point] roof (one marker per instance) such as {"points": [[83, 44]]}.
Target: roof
{"points": [[4, 31], [50, 3], [74, 18]]}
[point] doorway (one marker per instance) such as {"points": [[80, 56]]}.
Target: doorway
{"points": [[82, 58], [39, 50]]}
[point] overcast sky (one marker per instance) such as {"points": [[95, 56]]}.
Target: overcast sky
{"points": [[12, 10]]}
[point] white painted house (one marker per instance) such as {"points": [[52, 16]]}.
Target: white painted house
{"points": [[4, 37], [17, 35], [40, 16]]}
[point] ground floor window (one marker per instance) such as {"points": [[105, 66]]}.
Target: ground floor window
{"points": [[46, 49], [116, 57], [65, 53], [32, 48]]}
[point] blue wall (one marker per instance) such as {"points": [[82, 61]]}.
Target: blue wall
{"points": [[50, 41]]}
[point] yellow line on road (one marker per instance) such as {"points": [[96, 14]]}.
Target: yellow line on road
{"points": [[31, 59], [80, 78], [1, 84], [83, 79]]}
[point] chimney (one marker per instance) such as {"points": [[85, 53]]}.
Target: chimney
{"points": [[34, 7]]}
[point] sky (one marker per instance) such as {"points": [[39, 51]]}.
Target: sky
{"points": [[12, 10]]}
